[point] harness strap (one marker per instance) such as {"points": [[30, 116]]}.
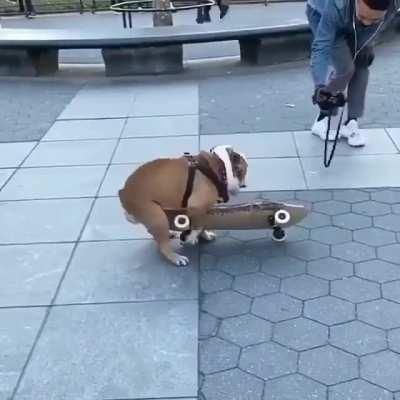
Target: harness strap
{"points": [[201, 163], [189, 184]]}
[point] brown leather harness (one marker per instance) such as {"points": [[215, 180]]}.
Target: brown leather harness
{"points": [[201, 163]]}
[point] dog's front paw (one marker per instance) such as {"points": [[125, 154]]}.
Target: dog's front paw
{"points": [[181, 261], [208, 236]]}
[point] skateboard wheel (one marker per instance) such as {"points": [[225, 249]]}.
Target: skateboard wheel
{"points": [[182, 222], [281, 217], [278, 235]]}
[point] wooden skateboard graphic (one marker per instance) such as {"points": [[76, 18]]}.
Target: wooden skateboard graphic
{"points": [[258, 215]]}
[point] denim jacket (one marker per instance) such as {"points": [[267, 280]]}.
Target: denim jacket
{"points": [[337, 22]]}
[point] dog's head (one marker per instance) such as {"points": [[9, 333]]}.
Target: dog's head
{"points": [[235, 166]]}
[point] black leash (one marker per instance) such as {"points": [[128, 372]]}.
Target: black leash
{"points": [[327, 162]]}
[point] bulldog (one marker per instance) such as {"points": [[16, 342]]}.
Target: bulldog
{"points": [[195, 183]]}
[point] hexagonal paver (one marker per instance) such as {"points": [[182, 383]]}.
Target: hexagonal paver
{"points": [[233, 384], [245, 330], [256, 284], [238, 265], [353, 252], [226, 304], [294, 387], [355, 289], [350, 195], [352, 221], [297, 234], [371, 208], [391, 291], [305, 287], [358, 338], [396, 210], [276, 307], [214, 281], [374, 236], [207, 325], [315, 220], [283, 267], [389, 222], [313, 195], [378, 270], [217, 355], [208, 261], [382, 369], [394, 340], [386, 196], [308, 250], [331, 235], [358, 390], [329, 310], [332, 207], [268, 360], [328, 365], [330, 268], [390, 253], [301, 334], [380, 313], [223, 246]]}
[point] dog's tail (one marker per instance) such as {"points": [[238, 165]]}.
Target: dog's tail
{"points": [[123, 201]]}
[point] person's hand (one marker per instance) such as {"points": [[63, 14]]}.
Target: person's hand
{"points": [[326, 100]]}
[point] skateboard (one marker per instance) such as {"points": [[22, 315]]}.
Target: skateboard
{"points": [[258, 215]]}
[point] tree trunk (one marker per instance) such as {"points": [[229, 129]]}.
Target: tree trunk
{"points": [[162, 18]]}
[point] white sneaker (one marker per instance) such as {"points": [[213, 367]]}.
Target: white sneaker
{"points": [[319, 129], [353, 135]]}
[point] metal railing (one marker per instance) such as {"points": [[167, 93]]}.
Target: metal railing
{"points": [[15, 7]]}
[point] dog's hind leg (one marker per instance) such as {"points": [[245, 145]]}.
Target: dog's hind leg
{"points": [[153, 217]]}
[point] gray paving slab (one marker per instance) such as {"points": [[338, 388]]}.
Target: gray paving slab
{"points": [[149, 348], [394, 133], [85, 129], [42, 220], [29, 275], [4, 175], [255, 145], [107, 222], [104, 99], [30, 106], [126, 271], [12, 154], [273, 174], [39, 183], [378, 141], [77, 152], [363, 171], [115, 178], [172, 125], [146, 149], [178, 98], [18, 330]]}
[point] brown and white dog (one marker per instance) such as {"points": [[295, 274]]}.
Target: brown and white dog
{"points": [[163, 184]]}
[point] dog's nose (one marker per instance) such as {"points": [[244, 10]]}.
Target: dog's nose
{"points": [[243, 185]]}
